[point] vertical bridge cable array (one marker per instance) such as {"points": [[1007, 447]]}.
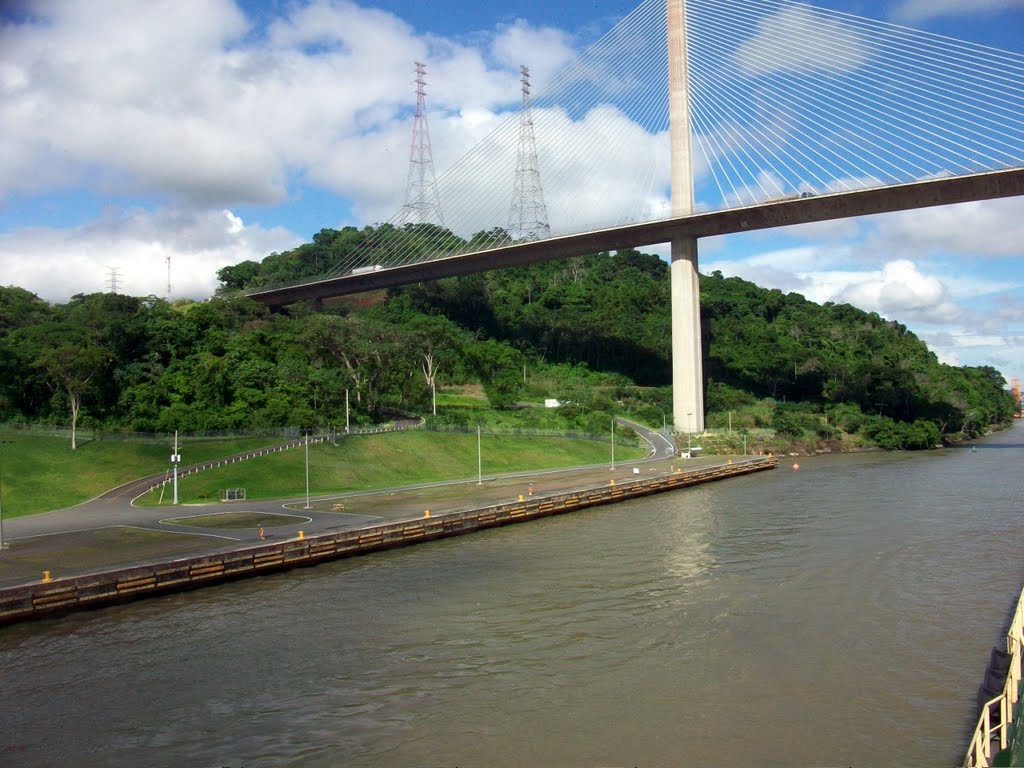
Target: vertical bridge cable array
{"points": [[786, 100]]}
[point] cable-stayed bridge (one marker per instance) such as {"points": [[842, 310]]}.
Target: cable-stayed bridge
{"points": [[693, 118]]}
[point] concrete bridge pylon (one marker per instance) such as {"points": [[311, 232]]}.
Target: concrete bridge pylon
{"points": [[687, 352]]}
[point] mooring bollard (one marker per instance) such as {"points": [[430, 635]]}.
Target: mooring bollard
{"points": [[520, 497], [611, 482], [302, 535], [426, 513], [46, 576]]}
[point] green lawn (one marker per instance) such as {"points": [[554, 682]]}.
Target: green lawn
{"points": [[43, 473], [389, 460], [445, 399]]}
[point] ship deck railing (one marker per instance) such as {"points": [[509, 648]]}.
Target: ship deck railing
{"points": [[993, 734]]}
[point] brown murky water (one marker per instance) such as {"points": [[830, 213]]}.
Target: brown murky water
{"points": [[841, 614]]}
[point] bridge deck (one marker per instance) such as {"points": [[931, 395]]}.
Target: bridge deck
{"points": [[840, 205]]}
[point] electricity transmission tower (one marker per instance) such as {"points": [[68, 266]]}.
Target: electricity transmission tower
{"points": [[422, 204], [112, 278], [528, 219]]}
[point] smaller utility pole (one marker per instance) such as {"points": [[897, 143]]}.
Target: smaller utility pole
{"points": [[479, 459]]}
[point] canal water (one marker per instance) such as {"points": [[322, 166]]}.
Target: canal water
{"points": [[840, 614]]}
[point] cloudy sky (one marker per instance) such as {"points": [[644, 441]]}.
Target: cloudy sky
{"points": [[213, 131]]}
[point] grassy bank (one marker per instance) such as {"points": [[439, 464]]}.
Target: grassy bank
{"points": [[43, 473], [388, 460]]}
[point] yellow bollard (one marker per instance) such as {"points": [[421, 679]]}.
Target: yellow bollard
{"points": [[46, 576], [302, 535], [611, 482], [426, 513], [520, 497]]}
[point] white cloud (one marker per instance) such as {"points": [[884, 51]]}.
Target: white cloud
{"points": [[901, 292], [980, 228], [58, 263], [916, 11], [544, 50], [797, 38], [169, 98]]}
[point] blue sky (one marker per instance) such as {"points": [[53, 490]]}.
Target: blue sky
{"points": [[213, 131]]}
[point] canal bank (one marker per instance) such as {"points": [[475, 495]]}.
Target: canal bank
{"points": [[63, 595]]}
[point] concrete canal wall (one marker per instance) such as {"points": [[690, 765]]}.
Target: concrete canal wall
{"points": [[41, 599]]}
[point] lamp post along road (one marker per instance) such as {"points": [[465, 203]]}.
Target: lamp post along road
{"points": [[175, 459], [2, 545], [307, 470], [613, 442]]}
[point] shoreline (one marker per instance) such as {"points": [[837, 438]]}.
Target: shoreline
{"points": [[41, 599]]}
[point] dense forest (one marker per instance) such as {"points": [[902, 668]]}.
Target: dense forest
{"points": [[592, 331]]}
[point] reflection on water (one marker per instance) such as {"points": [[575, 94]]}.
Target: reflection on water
{"points": [[839, 614]]}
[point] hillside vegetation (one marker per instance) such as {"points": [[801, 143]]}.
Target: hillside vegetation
{"points": [[591, 331]]}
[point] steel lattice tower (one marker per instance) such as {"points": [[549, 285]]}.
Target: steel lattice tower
{"points": [[528, 219], [422, 204]]}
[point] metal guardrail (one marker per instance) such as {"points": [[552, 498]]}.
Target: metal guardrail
{"points": [[988, 733]]}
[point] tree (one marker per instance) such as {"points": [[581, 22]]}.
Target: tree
{"points": [[70, 368]]}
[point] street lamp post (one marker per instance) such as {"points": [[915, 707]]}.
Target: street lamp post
{"points": [[307, 469], [613, 442], [2, 545], [175, 459], [689, 432]]}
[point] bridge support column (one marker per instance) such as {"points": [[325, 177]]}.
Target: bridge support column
{"points": [[687, 370], [687, 367]]}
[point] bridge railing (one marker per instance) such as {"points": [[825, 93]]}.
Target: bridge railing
{"points": [[995, 723]]}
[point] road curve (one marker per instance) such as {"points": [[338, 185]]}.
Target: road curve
{"points": [[663, 447]]}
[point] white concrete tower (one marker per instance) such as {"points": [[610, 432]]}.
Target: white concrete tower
{"points": [[687, 367]]}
